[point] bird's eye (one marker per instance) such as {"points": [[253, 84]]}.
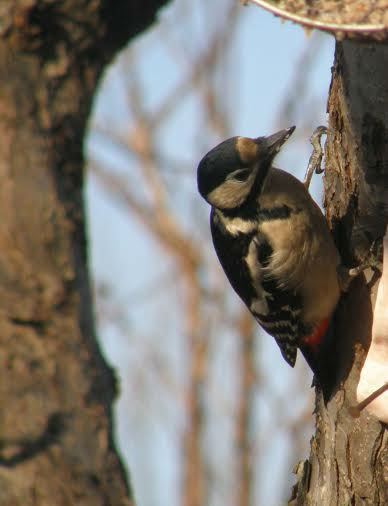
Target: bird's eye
{"points": [[241, 175]]}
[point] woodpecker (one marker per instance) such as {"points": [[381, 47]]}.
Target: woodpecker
{"points": [[273, 242]]}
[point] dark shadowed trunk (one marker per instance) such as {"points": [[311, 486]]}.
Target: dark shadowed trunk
{"points": [[349, 455], [56, 390]]}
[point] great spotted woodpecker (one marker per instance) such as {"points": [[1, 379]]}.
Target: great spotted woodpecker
{"points": [[272, 241]]}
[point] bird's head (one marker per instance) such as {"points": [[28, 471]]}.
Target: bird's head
{"points": [[229, 173]]}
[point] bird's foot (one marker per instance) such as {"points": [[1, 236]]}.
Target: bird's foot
{"points": [[314, 165], [372, 261]]}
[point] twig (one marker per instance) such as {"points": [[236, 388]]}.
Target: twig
{"points": [[356, 410], [299, 83], [162, 228], [199, 72]]}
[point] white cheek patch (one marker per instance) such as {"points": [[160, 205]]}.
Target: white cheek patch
{"points": [[228, 195], [231, 193]]}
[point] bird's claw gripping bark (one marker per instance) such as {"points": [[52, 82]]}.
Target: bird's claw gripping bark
{"points": [[314, 165], [372, 261]]}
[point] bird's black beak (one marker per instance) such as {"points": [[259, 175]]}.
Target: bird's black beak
{"points": [[275, 141]]}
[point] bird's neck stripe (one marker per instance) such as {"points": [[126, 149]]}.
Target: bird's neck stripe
{"points": [[258, 184], [276, 213]]}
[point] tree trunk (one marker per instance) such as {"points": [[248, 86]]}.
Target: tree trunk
{"points": [[56, 390], [349, 455]]}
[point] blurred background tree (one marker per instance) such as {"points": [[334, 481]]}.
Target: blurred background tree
{"points": [[209, 413], [56, 390]]}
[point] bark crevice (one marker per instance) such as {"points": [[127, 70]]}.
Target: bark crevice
{"points": [[356, 201]]}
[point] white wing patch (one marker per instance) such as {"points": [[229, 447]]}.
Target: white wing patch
{"points": [[236, 226], [259, 305]]}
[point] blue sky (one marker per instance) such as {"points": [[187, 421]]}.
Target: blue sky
{"points": [[267, 55]]}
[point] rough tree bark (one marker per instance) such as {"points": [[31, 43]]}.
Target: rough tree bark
{"points": [[56, 390], [348, 464]]}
